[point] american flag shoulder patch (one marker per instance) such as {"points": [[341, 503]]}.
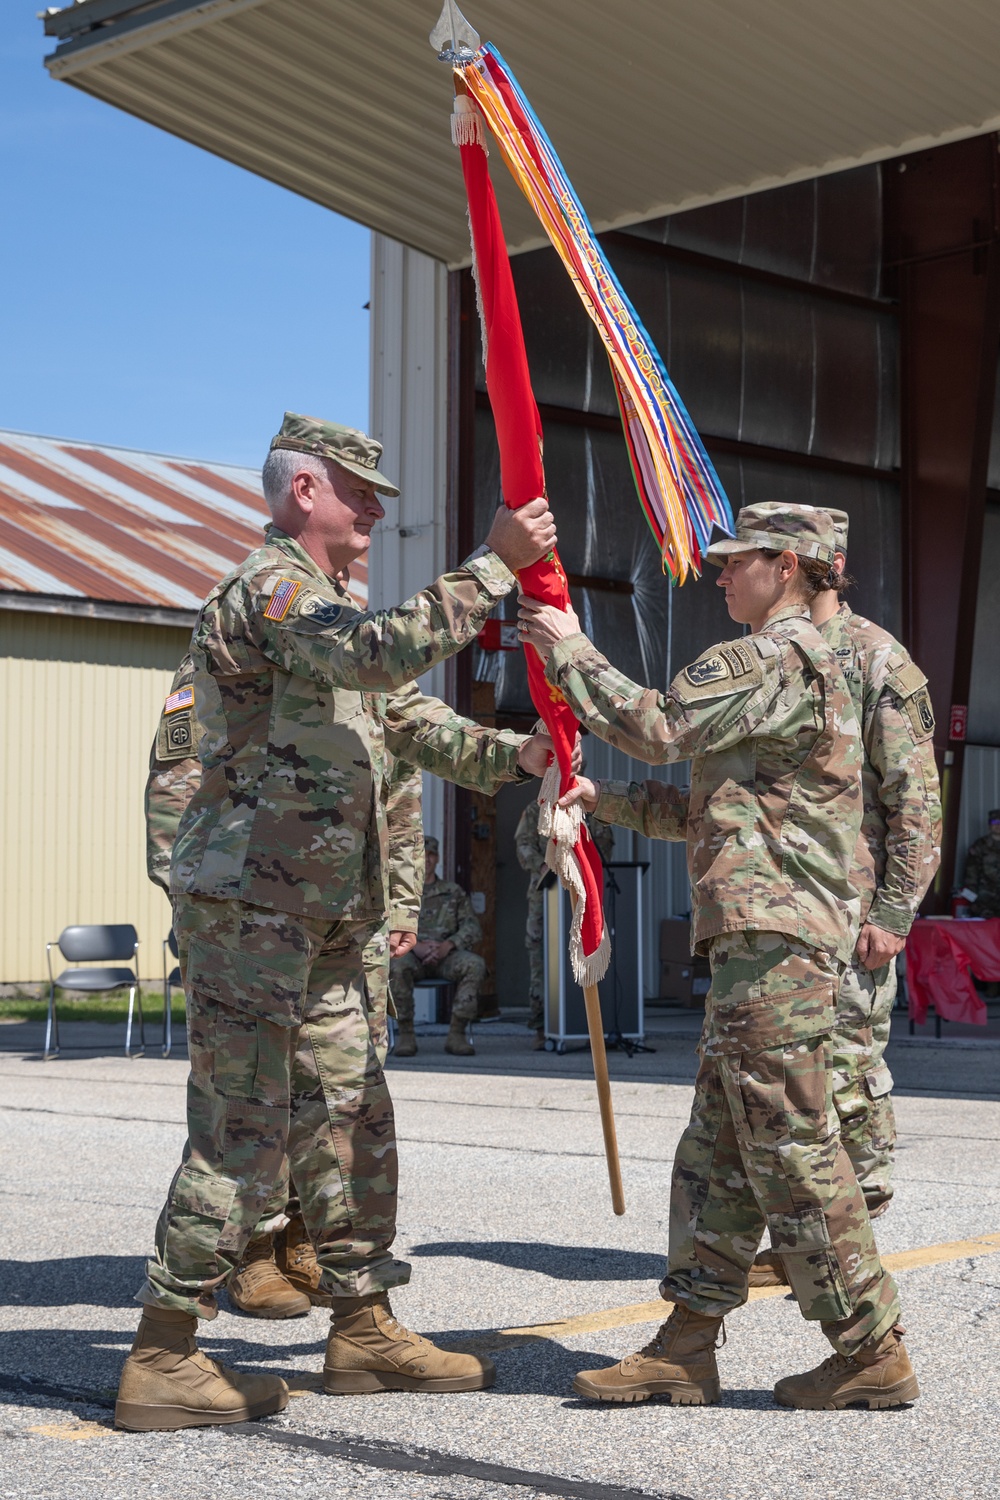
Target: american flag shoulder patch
{"points": [[183, 698], [282, 599]]}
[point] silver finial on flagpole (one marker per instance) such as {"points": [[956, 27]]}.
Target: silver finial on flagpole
{"points": [[453, 38]]}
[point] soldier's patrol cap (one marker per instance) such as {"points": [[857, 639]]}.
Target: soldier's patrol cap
{"points": [[431, 845], [841, 521], [802, 529], [352, 450]]}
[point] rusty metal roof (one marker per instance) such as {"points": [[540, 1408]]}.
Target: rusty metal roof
{"points": [[141, 531]]}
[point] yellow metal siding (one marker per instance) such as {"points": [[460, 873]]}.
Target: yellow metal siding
{"points": [[80, 702]]}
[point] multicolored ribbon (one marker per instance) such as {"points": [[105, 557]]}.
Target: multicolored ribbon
{"points": [[678, 487]]}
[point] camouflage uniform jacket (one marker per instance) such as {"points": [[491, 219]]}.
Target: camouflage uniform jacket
{"points": [[175, 771], [775, 802], [446, 912], [300, 696], [900, 845], [982, 875], [530, 845]]}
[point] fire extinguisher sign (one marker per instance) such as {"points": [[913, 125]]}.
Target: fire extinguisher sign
{"points": [[958, 721]]}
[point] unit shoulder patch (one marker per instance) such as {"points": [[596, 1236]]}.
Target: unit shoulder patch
{"points": [[282, 599], [175, 736], [730, 668], [317, 610]]}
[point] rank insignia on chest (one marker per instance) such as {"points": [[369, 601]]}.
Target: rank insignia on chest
{"points": [[709, 669], [183, 698], [282, 599]]}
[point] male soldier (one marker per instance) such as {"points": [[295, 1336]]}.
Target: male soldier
{"points": [[772, 825], [448, 929], [278, 886], [898, 853], [982, 870], [531, 846], [278, 1275]]}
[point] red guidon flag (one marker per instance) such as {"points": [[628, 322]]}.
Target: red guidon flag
{"points": [[571, 851]]}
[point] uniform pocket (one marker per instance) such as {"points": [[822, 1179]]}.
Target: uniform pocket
{"points": [[760, 1024], [195, 1219], [803, 1242], [241, 982], [882, 1126]]}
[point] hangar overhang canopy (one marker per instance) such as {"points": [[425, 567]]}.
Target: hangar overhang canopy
{"points": [[654, 105]]}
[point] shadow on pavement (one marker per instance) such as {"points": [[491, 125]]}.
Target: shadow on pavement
{"points": [[564, 1262]]}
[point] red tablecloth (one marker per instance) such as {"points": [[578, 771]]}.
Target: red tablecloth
{"points": [[942, 955]]}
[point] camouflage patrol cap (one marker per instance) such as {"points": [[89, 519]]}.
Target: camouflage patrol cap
{"points": [[801, 529], [841, 521], [431, 845], [352, 450]]}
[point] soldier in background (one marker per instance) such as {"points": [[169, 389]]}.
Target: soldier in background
{"points": [[530, 847], [278, 883], [447, 931], [982, 871], [278, 1275], [898, 853], [769, 723]]}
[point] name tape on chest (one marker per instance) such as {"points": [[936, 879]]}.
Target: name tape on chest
{"points": [[282, 599], [183, 698]]}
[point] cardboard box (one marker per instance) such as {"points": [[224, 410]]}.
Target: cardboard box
{"points": [[687, 983]]}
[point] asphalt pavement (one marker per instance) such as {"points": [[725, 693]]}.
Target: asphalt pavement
{"points": [[505, 1218]]}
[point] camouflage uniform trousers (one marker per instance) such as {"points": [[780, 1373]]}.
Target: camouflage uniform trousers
{"points": [[861, 1080], [375, 958], [460, 967], [763, 1149], [283, 1038], [533, 935]]}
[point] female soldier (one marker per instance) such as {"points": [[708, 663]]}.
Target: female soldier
{"points": [[772, 823]]}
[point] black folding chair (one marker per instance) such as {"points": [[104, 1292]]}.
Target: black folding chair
{"points": [[169, 981], [84, 945]]}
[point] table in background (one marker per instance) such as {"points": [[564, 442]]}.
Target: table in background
{"points": [[942, 955]]}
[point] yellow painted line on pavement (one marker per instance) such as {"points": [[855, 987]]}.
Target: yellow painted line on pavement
{"points": [[655, 1311]]}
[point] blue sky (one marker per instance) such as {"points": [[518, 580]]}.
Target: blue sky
{"points": [[154, 296]]}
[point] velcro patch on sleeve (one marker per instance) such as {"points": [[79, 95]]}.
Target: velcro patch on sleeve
{"points": [[731, 668], [175, 737], [183, 698], [920, 712], [282, 599], [906, 680]]}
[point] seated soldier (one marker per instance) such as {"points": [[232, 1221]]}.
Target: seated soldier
{"points": [[446, 932]]}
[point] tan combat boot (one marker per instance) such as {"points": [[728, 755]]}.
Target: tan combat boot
{"points": [[679, 1363], [456, 1042], [296, 1260], [538, 1045], [406, 1041], [369, 1351], [167, 1382], [878, 1376], [768, 1269], [257, 1287]]}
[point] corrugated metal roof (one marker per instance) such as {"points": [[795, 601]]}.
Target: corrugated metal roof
{"points": [[654, 105], [86, 521]]}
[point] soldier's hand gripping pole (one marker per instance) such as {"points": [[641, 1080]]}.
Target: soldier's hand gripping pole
{"points": [[595, 1026]]}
